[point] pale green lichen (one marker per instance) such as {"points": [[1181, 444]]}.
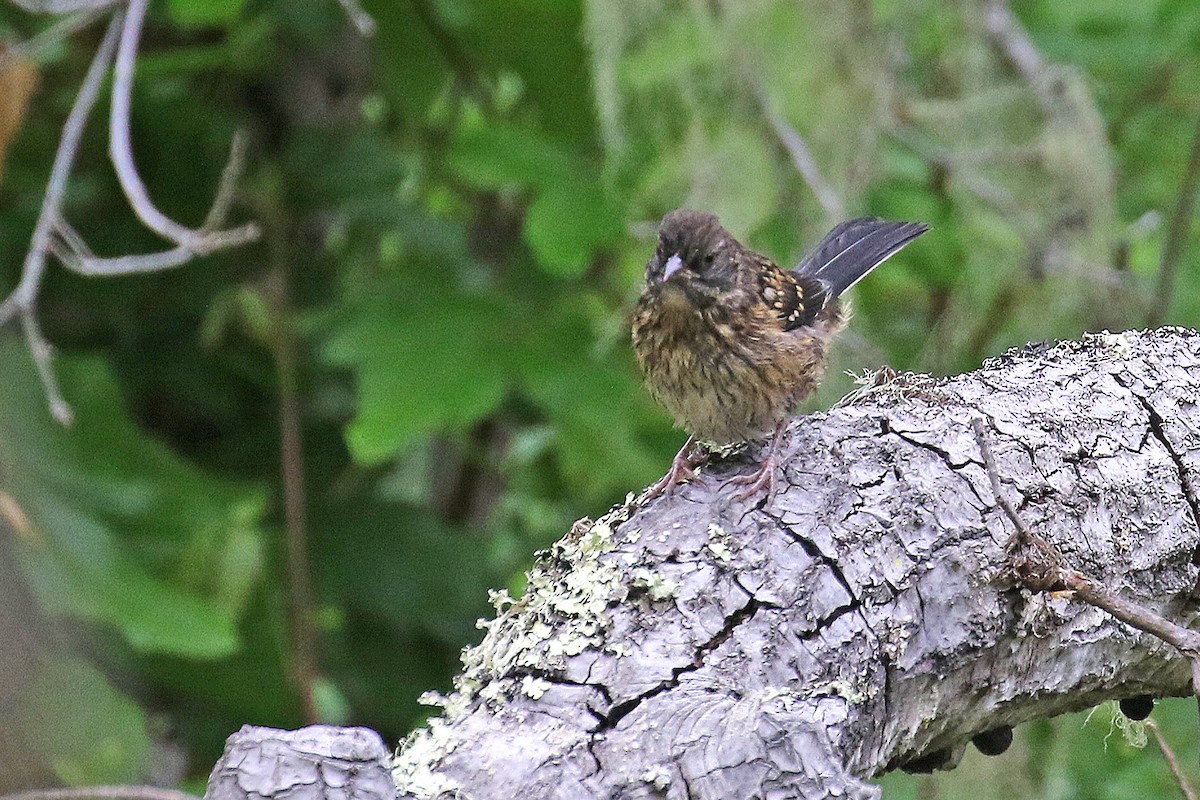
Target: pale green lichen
{"points": [[500, 600], [533, 687], [412, 765], [620, 649], [561, 615], [720, 551], [657, 776], [839, 688], [657, 585], [1121, 344]]}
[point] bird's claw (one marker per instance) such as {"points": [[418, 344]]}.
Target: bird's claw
{"points": [[682, 470]]}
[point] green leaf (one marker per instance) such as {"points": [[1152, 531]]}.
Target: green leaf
{"points": [[424, 363], [502, 157], [567, 225], [119, 530], [84, 728], [204, 13]]}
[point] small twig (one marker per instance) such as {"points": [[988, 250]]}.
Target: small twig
{"points": [[359, 17], [803, 159], [23, 300], [33, 47], [64, 6], [227, 187], [1052, 569], [1023, 535], [1178, 228], [1094, 593], [1008, 32], [1172, 761], [102, 793], [1012, 38], [120, 147], [303, 655]]}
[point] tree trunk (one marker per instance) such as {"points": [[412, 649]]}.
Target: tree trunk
{"points": [[863, 616]]}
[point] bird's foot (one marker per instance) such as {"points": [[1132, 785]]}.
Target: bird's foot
{"points": [[763, 477], [683, 469], [766, 474]]}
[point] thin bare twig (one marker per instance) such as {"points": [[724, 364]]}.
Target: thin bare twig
{"points": [[23, 300], [303, 655], [1012, 38], [1172, 761], [54, 235], [102, 793], [359, 17], [1049, 568], [1178, 228], [76, 256], [64, 6], [120, 147], [1008, 32], [802, 158], [33, 47]]}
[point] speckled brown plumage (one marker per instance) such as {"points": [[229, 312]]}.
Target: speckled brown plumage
{"points": [[729, 341]]}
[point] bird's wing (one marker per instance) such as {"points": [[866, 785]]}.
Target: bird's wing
{"points": [[795, 299]]}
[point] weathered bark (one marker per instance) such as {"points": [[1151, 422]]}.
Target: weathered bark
{"points": [[866, 614], [315, 763]]}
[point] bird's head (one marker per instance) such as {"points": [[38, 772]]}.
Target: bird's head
{"points": [[695, 255]]}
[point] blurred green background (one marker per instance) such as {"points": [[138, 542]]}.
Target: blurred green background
{"points": [[456, 215]]}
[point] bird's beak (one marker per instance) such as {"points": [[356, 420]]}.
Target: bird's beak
{"points": [[674, 264]]}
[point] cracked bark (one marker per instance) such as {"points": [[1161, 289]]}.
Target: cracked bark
{"points": [[861, 618]]}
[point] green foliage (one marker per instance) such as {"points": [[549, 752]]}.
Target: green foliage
{"points": [[456, 217], [204, 13], [118, 529], [87, 731]]}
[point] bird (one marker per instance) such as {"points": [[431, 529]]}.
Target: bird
{"points": [[729, 342]]}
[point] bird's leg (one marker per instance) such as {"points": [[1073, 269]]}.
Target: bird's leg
{"points": [[682, 469], [765, 474]]}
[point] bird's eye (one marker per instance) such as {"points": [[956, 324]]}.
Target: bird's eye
{"points": [[710, 258]]}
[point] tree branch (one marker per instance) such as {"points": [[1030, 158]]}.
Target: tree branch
{"points": [[23, 300], [864, 617], [198, 242], [53, 234]]}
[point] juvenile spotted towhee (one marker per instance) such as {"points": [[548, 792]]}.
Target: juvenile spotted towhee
{"points": [[730, 342]]}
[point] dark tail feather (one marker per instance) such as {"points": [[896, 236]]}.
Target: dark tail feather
{"points": [[854, 248]]}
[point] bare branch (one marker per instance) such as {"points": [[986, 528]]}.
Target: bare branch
{"points": [[803, 159], [359, 17], [76, 256], [64, 6], [227, 187], [1172, 761], [198, 242], [43, 354], [1006, 30], [23, 300], [54, 235]]}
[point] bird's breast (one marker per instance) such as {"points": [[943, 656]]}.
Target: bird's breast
{"points": [[725, 372]]}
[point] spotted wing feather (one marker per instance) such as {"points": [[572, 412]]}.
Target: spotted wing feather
{"points": [[796, 299]]}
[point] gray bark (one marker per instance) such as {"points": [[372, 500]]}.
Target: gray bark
{"points": [[315, 763], [863, 616]]}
